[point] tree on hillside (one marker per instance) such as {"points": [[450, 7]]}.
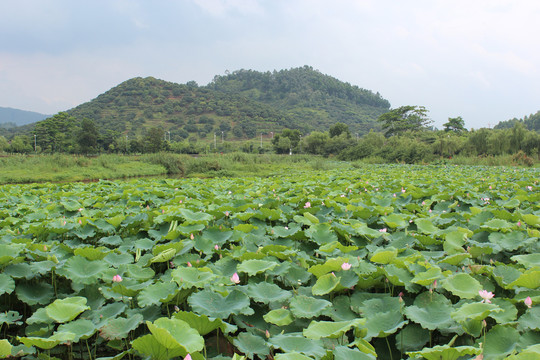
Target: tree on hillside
{"points": [[286, 142], [456, 125], [338, 129], [87, 137], [4, 144], [55, 134], [404, 118], [153, 141]]}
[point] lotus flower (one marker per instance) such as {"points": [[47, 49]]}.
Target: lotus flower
{"points": [[486, 296], [383, 230], [117, 278], [308, 205], [188, 357], [235, 278], [346, 266], [528, 302]]}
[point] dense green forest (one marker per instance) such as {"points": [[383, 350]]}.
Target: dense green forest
{"points": [[531, 122]]}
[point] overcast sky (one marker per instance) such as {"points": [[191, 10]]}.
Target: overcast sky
{"points": [[475, 59]]}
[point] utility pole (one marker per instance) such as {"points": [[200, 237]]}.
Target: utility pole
{"points": [[222, 137], [261, 139], [126, 144], [35, 147], [215, 144]]}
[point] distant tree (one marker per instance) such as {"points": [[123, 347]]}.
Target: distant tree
{"points": [[339, 128], [456, 125], [21, 145], [87, 137], [315, 142], [282, 146], [153, 141], [404, 118], [4, 144], [56, 134]]}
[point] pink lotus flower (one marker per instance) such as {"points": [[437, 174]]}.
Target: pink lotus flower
{"points": [[519, 223], [529, 188], [235, 278], [117, 278], [216, 247], [346, 266], [308, 205], [191, 236], [188, 357], [383, 230], [528, 302], [189, 264], [486, 296]]}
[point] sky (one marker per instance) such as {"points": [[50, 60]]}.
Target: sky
{"points": [[476, 59]]}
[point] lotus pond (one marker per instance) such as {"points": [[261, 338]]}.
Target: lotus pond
{"points": [[387, 262]]}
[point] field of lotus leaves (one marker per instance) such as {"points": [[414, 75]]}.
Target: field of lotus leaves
{"points": [[387, 262]]}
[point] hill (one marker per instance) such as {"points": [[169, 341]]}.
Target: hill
{"points": [[14, 117], [312, 100], [531, 122]]}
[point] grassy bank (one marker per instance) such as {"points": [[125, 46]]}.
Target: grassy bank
{"points": [[55, 168]]}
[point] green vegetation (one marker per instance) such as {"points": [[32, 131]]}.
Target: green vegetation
{"points": [[531, 122], [388, 262]]}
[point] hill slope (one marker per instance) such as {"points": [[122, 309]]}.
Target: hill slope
{"points": [[14, 117], [531, 122]]}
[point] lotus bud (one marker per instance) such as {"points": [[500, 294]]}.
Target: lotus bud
{"points": [[235, 278], [528, 302], [117, 278], [346, 266]]}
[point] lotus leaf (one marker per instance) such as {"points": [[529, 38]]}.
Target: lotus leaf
{"points": [[212, 304], [445, 352], [530, 320], [42, 343], [253, 267], [500, 342], [80, 270], [384, 256], [426, 226], [156, 293], [325, 284], [175, 333], [412, 337], [33, 294], [474, 311], [148, 345], [201, 323], [296, 343], [308, 307], [431, 311], [81, 328], [266, 292], [529, 279], [5, 348], [345, 353], [64, 310], [462, 285], [330, 329], [7, 285], [251, 345], [279, 317], [292, 356], [119, 328], [192, 277]]}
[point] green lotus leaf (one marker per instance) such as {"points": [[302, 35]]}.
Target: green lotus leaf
{"points": [[217, 236], [7, 284], [462, 285], [529, 279], [528, 261], [103, 314], [431, 311], [71, 205], [209, 303], [500, 341], [191, 217], [530, 320], [148, 345], [330, 329], [508, 313], [251, 345], [383, 324], [64, 310], [175, 333], [455, 259], [426, 278], [398, 276], [445, 352], [282, 232], [321, 233], [507, 241], [425, 226], [384, 256], [268, 214], [296, 343], [156, 293], [325, 284], [279, 317], [81, 328], [497, 225], [412, 337], [116, 260], [330, 265], [395, 221], [136, 272], [80, 270], [530, 353], [163, 256], [345, 353], [92, 253], [11, 317], [307, 307], [505, 275], [114, 240], [85, 231], [531, 219], [42, 343], [474, 311], [119, 328], [5, 348], [253, 267], [201, 323], [9, 252], [266, 292], [32, 294], [189, 277], [292, 356]]}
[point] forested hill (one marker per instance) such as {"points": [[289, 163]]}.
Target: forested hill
{"points": [[531, 122], [313, 101]]}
